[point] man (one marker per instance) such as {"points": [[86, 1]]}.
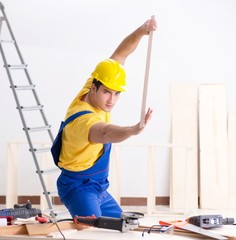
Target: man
{"points": [[86, 141]]}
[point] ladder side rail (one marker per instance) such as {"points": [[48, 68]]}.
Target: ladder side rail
{"points": [[26, 72], [12, 85], [39, 172], [37, 101], [36, 97], [13, 38], [26, 131], [46, 193], [25, 128], [1, 6], [1, 20]]}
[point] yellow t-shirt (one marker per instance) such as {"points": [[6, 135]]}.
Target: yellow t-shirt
{"points": [[77, 153]]}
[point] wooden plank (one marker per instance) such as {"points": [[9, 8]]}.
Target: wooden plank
{"points": [[38, 228], [12, 170], [213, 146], [13, 230], [151, 180], [145, 85], [46, 228], [184, 131], [232, 158]]}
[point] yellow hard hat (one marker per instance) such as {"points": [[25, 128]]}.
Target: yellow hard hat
{"points": [[111, 74]]}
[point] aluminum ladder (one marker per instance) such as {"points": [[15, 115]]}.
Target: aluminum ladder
{"points": [[28, 88]]}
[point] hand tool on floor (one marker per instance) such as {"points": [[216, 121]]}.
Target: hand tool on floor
{"points": [[178, 224], [162, 229], [20, 211], [128, 221], [210, 221]]}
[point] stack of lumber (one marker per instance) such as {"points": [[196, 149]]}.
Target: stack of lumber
{"points": [[205, 177]]}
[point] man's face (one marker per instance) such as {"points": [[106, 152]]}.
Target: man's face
{"points": [[105, 98]]}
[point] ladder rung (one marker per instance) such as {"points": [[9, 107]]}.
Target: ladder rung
{"points": [[15, 67], [52, 192], [31, 108], [24, 87], [47, 171], [7, 41], [61, 213], [41, 150], [36, 129]]}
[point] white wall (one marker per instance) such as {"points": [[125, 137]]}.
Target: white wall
{"points": [[62, 40]]}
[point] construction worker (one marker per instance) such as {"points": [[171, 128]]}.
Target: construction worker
{"points": [[86, 141]]}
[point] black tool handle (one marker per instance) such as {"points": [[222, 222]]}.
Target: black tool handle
{"points": [[101, 222], [110, 223], [228, 221]]}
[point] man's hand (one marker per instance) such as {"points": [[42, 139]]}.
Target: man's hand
{"points": [[105, 133], [130, 43], [148, 116], [149, 25]]}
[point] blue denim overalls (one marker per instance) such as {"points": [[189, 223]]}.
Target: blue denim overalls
{"points": [[85, 193]]}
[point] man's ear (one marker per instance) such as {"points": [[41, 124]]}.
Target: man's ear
{"points": [[93, 88]]}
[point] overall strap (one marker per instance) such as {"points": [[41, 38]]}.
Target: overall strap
{"points": [[74, 116]]}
